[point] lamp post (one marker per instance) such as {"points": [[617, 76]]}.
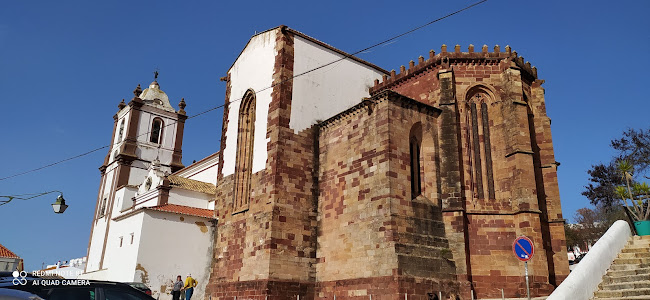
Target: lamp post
{"points": [[58, 206]]}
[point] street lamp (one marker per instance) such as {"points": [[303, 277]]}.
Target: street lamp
{"points": [[58, 206]]}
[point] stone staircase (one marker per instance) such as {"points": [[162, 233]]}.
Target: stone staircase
{"points": [[629, 275]]}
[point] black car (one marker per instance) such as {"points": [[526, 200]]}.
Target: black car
{"points": [[76, 289], [140, 286]]}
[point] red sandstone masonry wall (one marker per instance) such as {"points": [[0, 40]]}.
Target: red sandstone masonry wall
{"points": [[291, 157], [518, 181], [269, 250], [355, 229], [373, 238]]}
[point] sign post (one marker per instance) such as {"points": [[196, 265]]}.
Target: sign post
{"points": [[524, 249]]}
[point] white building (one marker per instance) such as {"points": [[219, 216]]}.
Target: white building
{"points": [[9, 261], [154, 217], [67, 269]]}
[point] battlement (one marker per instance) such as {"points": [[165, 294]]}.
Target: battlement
{"points": [[446, 59]]}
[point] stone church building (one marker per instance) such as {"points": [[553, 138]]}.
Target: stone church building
{"points": [[354, 182]]}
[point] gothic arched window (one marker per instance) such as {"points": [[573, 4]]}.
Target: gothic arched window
{"points": [[156, 131], [480, 145], [244, 157], [415, 145]]}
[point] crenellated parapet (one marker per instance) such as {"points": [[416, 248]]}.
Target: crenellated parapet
{"points": [[447, 59]]}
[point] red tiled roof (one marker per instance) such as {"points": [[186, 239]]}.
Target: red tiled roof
{"points": [[184, 210], [4, 252]]}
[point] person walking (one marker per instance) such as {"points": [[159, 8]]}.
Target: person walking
{"points": [[190, 283], [176, 290]]}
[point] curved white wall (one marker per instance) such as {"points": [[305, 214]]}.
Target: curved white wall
{"points": [[584, 279]]}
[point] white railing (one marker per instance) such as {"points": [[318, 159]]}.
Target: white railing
{"points": [[585, 278]]}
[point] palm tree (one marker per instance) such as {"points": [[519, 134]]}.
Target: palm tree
{"points": [[638, 193]]}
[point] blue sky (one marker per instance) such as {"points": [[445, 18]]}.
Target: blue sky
{"points": [[65, 65]]}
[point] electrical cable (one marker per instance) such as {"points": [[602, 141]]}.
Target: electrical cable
{"points": [[266, 88]]}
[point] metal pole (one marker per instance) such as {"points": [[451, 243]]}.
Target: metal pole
{"points": [[527, 284], [503, 296], [440, 295], [472, 294]]}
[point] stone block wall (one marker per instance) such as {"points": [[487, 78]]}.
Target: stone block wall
{"points": [[333, 213], [374, 237], [268, 251], [516, 137]]}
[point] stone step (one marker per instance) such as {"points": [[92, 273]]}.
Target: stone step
{"points": [[621, 279], [640, 254], [643, 297], [619, 294], [629, 249], [625, 286], [631, 261], [638, 242], [631, 272], [638, 245], [620, 267]]}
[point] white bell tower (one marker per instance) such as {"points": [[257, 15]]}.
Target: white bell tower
{"points": [[145, 130]]}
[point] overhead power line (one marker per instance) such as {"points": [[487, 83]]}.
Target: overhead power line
{"points": [[389, 40]]}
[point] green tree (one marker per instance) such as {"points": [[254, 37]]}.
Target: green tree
{"points": [[591, 224], [634, 148]]}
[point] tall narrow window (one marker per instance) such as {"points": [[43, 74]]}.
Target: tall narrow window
{"points": [[121, 132], [156, 130], [488, 150], [244, 158], [102, 209], [478, 170], [415, 143], [480, 147]]}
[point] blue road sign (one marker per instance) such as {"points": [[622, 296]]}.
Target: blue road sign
{"points": [[523, 248]]}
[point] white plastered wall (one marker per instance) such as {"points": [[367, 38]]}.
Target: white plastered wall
{"points": [[8, 264], [119, 261], [184, 197], [99, 226], [172, 245], [252, 70], [205, 171], [323, 93]]}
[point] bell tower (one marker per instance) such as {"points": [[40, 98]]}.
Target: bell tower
{"points": [[146, 129]]}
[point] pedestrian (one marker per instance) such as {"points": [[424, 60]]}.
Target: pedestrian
{"points": [[190, 283], [176, 290]]}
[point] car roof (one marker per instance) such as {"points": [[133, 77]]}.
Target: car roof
{"points": [[12, 294]]}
